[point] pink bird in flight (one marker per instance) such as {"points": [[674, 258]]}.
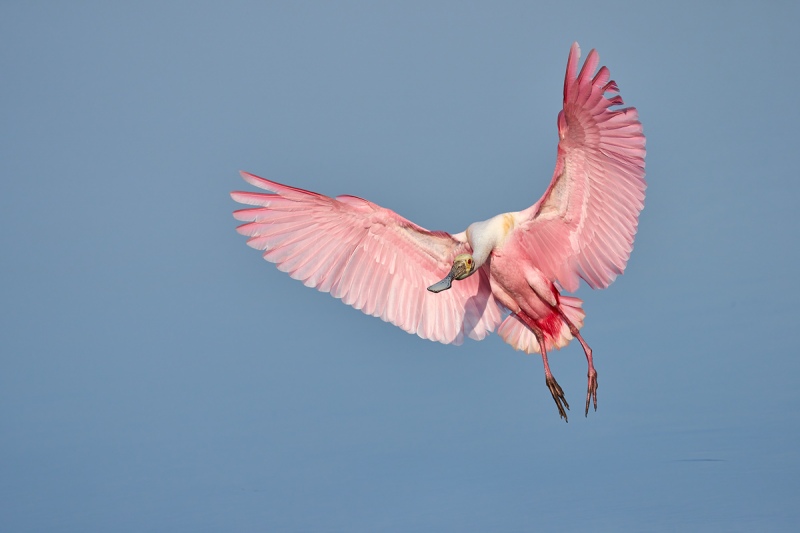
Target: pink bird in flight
{"points": [[505, 273]]}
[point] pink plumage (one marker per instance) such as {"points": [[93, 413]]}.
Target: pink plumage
{"points": [[370, 257], [506, 270]]}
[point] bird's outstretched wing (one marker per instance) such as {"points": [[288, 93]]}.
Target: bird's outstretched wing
{"points": [[370, 257], [585, 223]]}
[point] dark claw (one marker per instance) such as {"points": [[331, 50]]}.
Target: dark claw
{"points": [[558, 396], [591, 392]]}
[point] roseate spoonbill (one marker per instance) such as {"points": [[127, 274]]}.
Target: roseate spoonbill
{"points": [[507, 271]]}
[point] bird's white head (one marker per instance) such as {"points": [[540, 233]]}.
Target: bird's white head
{"points": [[463, 267]]}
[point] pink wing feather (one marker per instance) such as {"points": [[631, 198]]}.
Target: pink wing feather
{"points": [[585, 223], [370, 257]]}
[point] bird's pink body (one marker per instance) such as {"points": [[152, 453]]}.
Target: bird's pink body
{"points": [[522, 289], [379, 262]]}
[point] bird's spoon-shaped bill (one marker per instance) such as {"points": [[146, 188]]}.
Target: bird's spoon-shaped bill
{"points": [[443, 285]]}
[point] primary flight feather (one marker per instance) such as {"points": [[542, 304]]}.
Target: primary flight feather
{"points": [[504, 273]]}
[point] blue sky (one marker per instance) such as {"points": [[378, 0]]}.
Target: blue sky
{"points": [[157, 374]]}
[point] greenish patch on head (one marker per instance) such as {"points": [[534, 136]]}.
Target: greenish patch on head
{"points": [[463, 267]]}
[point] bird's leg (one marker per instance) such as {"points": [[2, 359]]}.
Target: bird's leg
{"points": [[552, 384], [591, 391]]}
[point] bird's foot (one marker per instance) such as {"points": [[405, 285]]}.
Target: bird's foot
{"points": [[558, 396], [591, 391]]}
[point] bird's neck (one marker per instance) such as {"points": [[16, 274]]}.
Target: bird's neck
{"points": [[481, 254], [487, 235]]}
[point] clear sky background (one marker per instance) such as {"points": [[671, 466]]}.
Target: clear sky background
{"points": [[157, 375]]}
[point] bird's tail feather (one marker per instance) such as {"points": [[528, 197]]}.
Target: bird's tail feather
{"points": [[520, 337]]}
